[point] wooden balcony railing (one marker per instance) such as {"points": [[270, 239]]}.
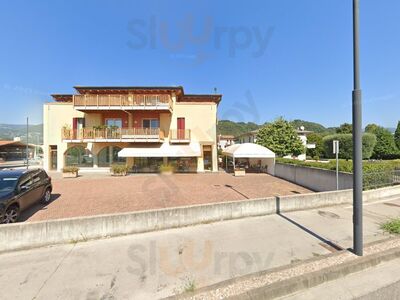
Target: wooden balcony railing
{"points": [[179, 135], [104, 134], [100, 101]]}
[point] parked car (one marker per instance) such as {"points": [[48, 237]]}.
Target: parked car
{"points": [[19, 189]]}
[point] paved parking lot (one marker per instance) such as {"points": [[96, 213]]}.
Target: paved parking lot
{"points": [[104, 194]]}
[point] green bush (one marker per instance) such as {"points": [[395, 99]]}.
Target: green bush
{"points": [[70, 170], [385, 147], [346, 145], [119, 169], [317, 139]]}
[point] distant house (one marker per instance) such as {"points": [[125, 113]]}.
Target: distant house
{"points": [[225, 141], [15, 150], [251, 137], [248, 137]]}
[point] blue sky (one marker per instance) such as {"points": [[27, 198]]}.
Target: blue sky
{"points": [[268, 58]]}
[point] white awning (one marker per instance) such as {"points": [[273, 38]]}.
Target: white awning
{"points": [[164, 150], [248, 150]]}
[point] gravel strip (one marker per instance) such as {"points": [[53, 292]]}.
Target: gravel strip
{"points": [[266, 279]]}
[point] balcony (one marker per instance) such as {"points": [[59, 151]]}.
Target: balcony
{"points": [[123, 102], [89, 135], [179, 136]]}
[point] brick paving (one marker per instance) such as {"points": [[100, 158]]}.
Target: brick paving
{"points": [[87, 196]]}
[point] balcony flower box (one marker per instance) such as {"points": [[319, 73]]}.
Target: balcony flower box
{"points": [[70, 172], [240, 172]]}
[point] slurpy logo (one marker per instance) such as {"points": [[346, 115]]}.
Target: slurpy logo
{"points": [[194, 257], [154, 33]]}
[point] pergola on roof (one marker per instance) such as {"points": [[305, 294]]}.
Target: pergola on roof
{"points": [[248, 150], [178, 90]]}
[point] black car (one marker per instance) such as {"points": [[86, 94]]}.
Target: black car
{"points": [[20, 189]]}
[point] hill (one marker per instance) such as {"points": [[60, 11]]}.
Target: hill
{"points": [[312, 126], [226, 127], [10, 131]]}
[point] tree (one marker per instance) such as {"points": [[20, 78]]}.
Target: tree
{"points": [[346, 145], [281, 137], [385, 147], [317, 139], [371, 128], [397, 135], [345, 128]]}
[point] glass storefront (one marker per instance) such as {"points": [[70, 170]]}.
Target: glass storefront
{"points": [[147, 164], [152, 164], [183, 164], [109, 155], [78, 157]]}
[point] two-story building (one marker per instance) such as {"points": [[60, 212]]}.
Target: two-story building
{"points": [[143, 127]]}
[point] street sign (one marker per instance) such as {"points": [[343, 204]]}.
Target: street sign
{"points": [[335, 147]]}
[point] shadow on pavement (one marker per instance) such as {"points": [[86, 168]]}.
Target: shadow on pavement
{"points": [[26, 214], [325, 243]]}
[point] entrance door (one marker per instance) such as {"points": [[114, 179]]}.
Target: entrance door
{"points": [[207, 157], [53, 157], [181, 129]]}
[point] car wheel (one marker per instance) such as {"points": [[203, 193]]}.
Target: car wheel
{"points": [[11, 215], [47, 196]]}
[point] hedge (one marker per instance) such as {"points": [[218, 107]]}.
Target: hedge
{"points": [[346, 145], [375, 173]]}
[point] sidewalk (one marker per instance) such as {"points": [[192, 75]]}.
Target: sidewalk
{"points": [[158, 264], [380, 282]]}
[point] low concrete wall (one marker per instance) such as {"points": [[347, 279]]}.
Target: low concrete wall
{"points": [[36, 234], [318, 180]]}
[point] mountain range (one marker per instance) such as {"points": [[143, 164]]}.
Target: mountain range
{"points": [[11, 131]]}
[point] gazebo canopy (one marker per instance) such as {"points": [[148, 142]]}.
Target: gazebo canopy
{"points": [[248, 150]]}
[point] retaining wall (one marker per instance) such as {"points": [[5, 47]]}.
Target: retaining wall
{"points": [[36, 234], [318, 180]]}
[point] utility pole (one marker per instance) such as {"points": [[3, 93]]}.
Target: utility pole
{"points": [[27, 142], [357, 141]]}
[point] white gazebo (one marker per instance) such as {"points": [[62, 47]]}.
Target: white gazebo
{"points": [[256, 154]]}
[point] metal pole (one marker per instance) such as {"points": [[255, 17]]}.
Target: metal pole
{"points": [[27, 142], [357, 141], [337, 170]]}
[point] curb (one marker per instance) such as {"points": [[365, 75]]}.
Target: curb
{"points": [[305, 281]]}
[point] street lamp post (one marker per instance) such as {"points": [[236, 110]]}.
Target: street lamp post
{"points": [[357, 141]]}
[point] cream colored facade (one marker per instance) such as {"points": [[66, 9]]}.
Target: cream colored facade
{"points": [[200, 118]]}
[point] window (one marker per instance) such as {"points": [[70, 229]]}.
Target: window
{"points": [[109, 155], [36, 177], [25, 181], [147, 164], [7, 184], [151, 123], [114, 122], [78, 156], [183, 164]]}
